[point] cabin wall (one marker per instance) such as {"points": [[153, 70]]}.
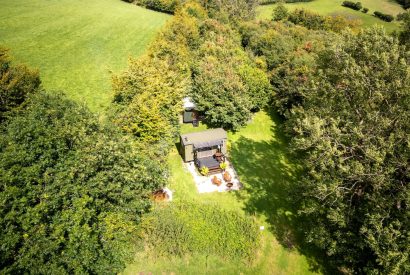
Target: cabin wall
{"points": [[189, 153]]}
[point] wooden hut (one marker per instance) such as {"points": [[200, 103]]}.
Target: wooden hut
{"points": [[204, 147]]}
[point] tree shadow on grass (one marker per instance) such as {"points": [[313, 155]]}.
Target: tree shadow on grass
{"points": [[270, 176]]}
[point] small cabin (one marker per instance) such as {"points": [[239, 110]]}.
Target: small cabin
{"points": [[202, 146]]}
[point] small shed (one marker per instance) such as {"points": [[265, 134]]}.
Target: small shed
{"points": [[203, 144], [189, 110]]}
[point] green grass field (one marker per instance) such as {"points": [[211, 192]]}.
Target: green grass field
{"points": [[259, 153], [333, 7], [77, 44]]}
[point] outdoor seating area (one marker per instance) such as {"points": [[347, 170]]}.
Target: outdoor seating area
{"points": [[226, 180], [205, 156]]}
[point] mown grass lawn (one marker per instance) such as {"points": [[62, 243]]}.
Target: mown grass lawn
{"points": [[260, 156], [77, 44], [334, 7]]}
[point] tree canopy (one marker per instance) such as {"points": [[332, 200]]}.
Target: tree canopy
{"points": [[353, 130], [72, 190]]}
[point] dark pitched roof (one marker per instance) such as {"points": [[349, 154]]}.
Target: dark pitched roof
{"points": [[205, 137]]}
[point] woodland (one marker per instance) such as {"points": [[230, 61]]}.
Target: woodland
{"points": [[75, 186]]}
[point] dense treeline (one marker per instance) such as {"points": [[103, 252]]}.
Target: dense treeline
{"points": [[346, 99], [405, 3], [204, 59], [72, 188], [353, 131]]}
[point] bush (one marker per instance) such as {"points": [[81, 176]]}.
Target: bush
{"points": [[383, 16], [280, 12], [167, 6], [365, 10], [307, 19], [182, 229], [204, 170], [402, 16], [268, 2], [16, 84], [356, 6], [404, 3]]}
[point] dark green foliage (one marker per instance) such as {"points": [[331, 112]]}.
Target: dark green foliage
{"points": [[227, 85], [402, 16], [167, 6], [280, 12], [384, 16], [267, 2], [289, 53], [307, 19], [183, 229], [405, 32], [16, 84], [349, 4], [72, 191], [365, 10], [353, 131], [405, 3]]}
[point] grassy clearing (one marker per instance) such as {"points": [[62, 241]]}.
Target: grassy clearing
{"points": [[259, 154], [77, 44], [333, 7]]}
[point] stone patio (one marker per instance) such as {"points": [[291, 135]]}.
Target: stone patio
{"points": [[204, 183]]}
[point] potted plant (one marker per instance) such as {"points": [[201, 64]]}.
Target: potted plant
{"points": [[204, 170], [223, 165]]}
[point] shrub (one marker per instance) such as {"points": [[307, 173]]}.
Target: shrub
{"points": [[402, 16], [223, 165], [384, 16], [268, 2], [16, 84], [182, 229], [280, 12], [349, 4], [307, 19], [204, 170], [365, 10]]}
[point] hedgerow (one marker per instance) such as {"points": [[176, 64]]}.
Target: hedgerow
{"points": [[384, 16]]}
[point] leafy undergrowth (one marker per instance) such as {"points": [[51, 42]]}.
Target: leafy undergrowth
{"points": [[259, 154]]}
